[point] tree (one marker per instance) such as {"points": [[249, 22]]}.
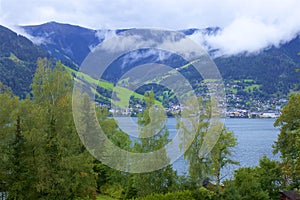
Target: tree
{"points": [[195, 129], [65, 170], [222, 152], [270, 176], [162, 180], [44, 158], [15, 165], [230, 192], [248, 185], [19, 179], [211, 146], [288, 142], [8, 105]]}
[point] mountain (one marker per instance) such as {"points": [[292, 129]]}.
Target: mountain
{"points": [[251, 79], [18, 60], [273, 69], [71, 44], [68, 43]]}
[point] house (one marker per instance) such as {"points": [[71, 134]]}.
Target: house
{"points": [[290, 195]]}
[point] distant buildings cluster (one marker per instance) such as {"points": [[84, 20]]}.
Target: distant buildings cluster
{"points": [[248, 114]]}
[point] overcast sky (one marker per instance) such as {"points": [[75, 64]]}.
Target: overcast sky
{"points": [[248, 25]]}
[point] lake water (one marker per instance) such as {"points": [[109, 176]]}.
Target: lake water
{"points": [[254, 136]]}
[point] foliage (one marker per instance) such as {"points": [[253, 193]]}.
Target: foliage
{"points": [[179, 195], [248, 185], [229, 192], [199, 168], [270, 176], [206, 159], [114, 190], [222, 152], [202, 194], [162, 180], [44, 158], [288, 142]]}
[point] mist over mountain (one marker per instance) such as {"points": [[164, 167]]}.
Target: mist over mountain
{"points": [[272, 71], [68, 43], [274, 66], [18, 60]]}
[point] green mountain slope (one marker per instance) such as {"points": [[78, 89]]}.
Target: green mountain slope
{"points": [[18, 57]]}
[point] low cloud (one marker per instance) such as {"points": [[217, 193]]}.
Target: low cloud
{"points": [[247, 35], [247, 26]]}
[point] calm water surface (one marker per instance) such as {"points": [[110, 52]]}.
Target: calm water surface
{"points": [[254, 136]]}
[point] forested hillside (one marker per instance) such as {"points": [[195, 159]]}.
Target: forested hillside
{"points": [[18, 61], [272, 73], [274, 70]]}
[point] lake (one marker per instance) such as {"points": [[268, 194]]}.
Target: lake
{"points": [[254, 136]]}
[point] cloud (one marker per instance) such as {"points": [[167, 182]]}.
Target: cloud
{"points": [[248, 25], [253, 33], [248, 35], [255, 27]]}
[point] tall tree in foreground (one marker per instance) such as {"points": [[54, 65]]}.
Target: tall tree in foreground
{"points": [[43, 156], [221, 154], [288, 142], [211, 146], [162, 180], [195, 129], [65, 170]]}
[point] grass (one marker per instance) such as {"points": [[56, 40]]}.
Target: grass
{"points": [[122, 93]]}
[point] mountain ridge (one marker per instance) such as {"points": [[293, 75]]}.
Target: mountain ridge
{"points": [[274, 72], [18, 57]]}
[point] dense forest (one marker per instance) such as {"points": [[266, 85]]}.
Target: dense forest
{"points": [[42, 156]]}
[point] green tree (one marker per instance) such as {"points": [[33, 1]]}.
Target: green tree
{"points": [[229, 192], [288, 142], [222, 152], [270, 176], [19, 165], [13, 146], [195, 129], [8, 105], [116, 183], [212, 145], [162, 180], [65, 170], [248, 185]]}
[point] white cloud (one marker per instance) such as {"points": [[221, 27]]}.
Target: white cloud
{"points": [[258, 29], [245, 34], [248, 25]]}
